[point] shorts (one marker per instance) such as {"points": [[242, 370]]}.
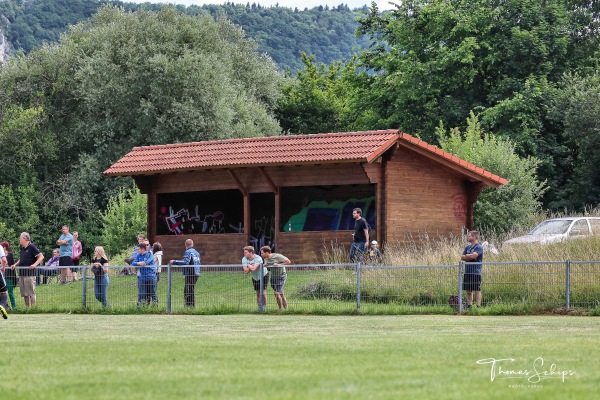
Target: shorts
{"points": [[256, 284], [472, 282], [27, 285], [277, 282], [65, 261]]}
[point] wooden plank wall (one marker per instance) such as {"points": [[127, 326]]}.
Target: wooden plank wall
{"points": [[307, 247], [422, 198], [213, 249]]}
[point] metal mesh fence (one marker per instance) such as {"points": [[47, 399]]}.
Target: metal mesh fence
{"points": [[327, 289]]}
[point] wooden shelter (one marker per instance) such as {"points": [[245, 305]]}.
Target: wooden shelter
{"points": [[296, 193]]}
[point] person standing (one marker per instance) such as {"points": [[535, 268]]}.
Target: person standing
{"points": [[100, 271], [77, 250], [252, 264], [473, 256], [29, 256], [191, 272], [10, 275], [360, 235], [158, 254], [375, 255], [147, 276], [3, 285], [65, 251], [275, 264]]}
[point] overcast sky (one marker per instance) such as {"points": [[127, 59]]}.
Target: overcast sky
{"points": [[301, 4]]}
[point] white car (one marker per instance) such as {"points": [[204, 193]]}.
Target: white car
{"points": [[559, 229]]}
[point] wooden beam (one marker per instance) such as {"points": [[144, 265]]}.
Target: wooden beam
{"points": [[276, 234], [473, 191], [247, 219], [270, 182], [238, 182]]}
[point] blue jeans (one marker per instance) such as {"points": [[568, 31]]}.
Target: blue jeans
{"points": [[356, 251], [147, 291], [100, 287]]}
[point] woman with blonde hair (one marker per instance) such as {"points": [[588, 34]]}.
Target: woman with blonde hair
{"points": [[100, 270]]}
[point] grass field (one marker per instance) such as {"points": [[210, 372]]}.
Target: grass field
{"points": [[68, 356]]}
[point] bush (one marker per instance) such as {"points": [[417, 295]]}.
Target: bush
{"points": [[124, 219]]}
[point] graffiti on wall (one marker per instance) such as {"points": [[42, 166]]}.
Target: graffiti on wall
{"points": [[459, 205], [262, 230], [182, 222], [331, 216]]}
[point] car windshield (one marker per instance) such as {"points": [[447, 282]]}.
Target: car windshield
{"points": [[552, 227]]}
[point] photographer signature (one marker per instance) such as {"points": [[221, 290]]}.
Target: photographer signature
{"points": [[536, 374]]}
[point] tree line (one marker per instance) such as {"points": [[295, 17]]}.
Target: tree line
{"points": [[281, 32], [511, 85]]}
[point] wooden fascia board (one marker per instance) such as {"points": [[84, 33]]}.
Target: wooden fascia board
{"points": [[382, 149], [451, 165]]}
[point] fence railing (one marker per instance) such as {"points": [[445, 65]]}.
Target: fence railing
{"points": [[330, 289]]}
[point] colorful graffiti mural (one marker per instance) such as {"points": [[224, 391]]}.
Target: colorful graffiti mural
{"points": [[333, 216], [181, 222]]}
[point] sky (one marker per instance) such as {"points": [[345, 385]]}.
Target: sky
{"points": [[301, 4]]}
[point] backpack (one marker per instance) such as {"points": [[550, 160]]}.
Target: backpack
{"points": [[453, 301]]}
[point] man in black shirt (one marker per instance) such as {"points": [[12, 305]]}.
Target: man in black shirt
{"points": [[361, 235], [30, 257]]}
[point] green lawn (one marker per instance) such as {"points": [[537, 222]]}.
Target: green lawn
{"points": [[62, 356]]}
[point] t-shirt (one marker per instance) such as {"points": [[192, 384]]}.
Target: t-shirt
{"points": [[276, 258], [475, 267], [256, 260], [27, 258], [66, 249], [99, 271], [359, 230]]}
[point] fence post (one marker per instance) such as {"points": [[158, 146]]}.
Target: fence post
{"points": [[358, 268], [84, 286], [568, 285], [261, 275], [460, 286], [169, 289]]}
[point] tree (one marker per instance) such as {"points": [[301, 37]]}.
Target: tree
{"points": [[513, 204], [323, 98], [579, 108], [124, 219], [124, 79], [438, 60]]}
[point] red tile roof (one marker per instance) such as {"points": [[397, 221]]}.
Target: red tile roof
{"points": [[362, 147]]}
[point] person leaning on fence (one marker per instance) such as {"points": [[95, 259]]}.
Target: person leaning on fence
{"points": [[473, 256], [252, 263], [65, 243], [100, 271], [31, 257], [3, 285], [147, 276], [10, 275], [191, 272], [275, 264]]}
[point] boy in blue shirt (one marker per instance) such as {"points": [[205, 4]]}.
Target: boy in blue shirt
{"points": [[147, 279]]}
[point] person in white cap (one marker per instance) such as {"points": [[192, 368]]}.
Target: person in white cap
{"points": [[374, 252]]}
